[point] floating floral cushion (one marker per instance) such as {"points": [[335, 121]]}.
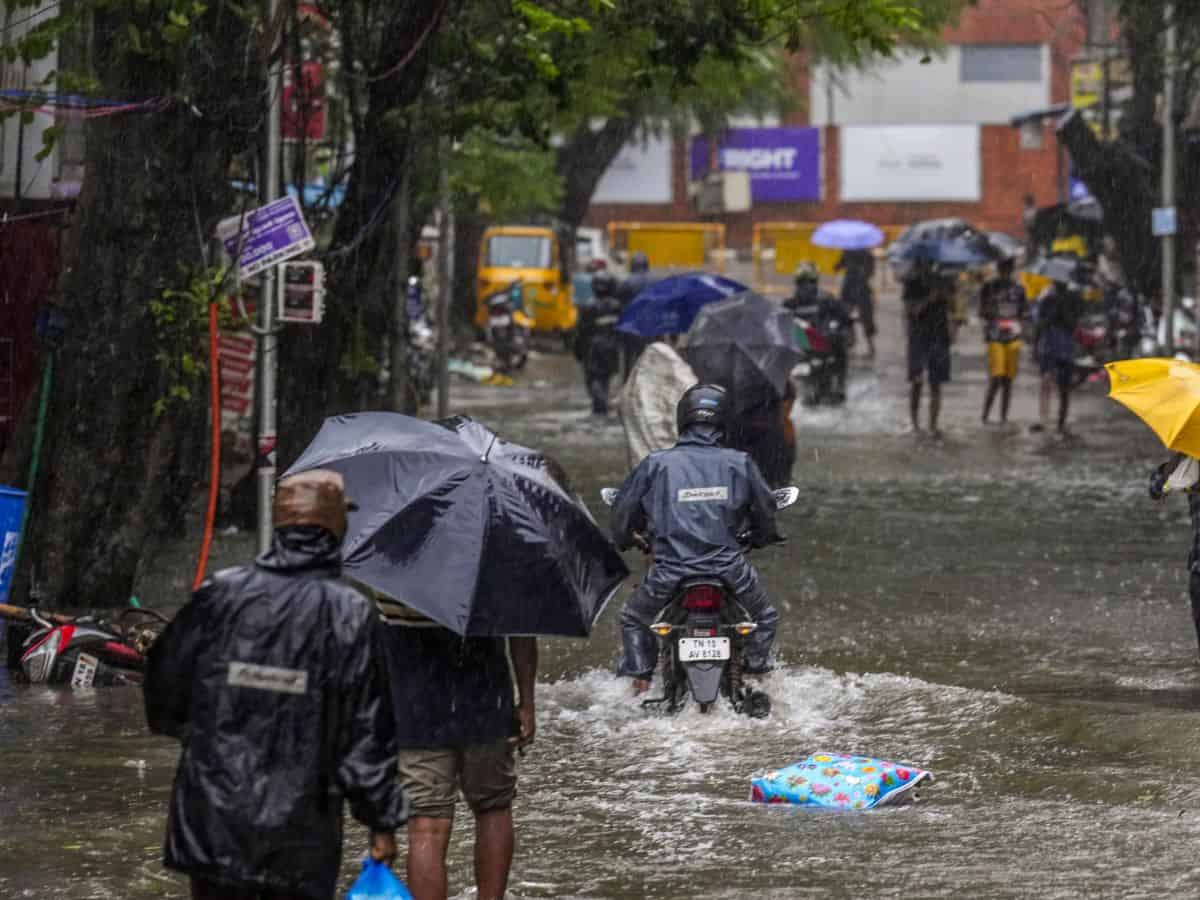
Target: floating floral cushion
{"points": [[839, 781]]}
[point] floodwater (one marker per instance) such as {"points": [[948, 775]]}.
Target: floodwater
{"points": [[1004, 609]]}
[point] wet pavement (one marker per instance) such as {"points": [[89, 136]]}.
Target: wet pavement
{"points": [[1008, 610]]}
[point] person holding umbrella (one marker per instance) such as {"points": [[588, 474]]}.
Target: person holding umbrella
{"points": [[1182, 472], [1165, 394], [474, 547], [856, 240]]}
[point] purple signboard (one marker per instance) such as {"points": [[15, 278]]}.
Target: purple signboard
{"points": [[784, 163], [266, 236]]}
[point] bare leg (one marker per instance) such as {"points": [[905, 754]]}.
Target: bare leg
{"points": [[935, 406], [1044, 400], [428, 839], [914, 403], [493, 852], [1064, 405], [1005, 398], [993, 386]]}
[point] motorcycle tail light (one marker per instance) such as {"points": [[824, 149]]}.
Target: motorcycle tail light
{"points": [[702, 596], [662, 629], [39, 659], [816, 341], [745, 628]]}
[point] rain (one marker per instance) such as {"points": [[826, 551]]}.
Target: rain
{"points": [[467, 256]]}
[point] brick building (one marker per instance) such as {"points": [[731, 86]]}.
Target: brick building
{"points": [[1003, 58]]}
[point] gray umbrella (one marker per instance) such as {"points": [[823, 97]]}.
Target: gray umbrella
{"points": [[1064, 269], [742, 342]]}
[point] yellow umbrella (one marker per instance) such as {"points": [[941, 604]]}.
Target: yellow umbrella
{"points": [[1165, 394]]}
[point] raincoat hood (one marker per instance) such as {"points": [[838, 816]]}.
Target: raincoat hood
{"points": [[297, 548], [315, 497], [700, 434]]}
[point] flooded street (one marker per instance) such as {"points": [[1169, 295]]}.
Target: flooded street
{"points": [[1007, 610]]}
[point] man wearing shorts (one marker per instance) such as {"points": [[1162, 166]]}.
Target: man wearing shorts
{"points": [[926, 295], [1002, 308], [458, 727]]}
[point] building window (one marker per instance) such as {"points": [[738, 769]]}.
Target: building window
{"points": [[1000, 62]]}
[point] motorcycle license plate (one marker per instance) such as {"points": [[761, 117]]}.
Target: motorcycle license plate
{"points": [[84, 675], [703, 649], [498, 321]]}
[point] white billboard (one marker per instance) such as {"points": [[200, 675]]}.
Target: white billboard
{"points": [[641, 173], [914, 163]]}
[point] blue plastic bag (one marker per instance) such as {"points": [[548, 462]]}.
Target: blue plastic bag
{"points": [[378, 883]]}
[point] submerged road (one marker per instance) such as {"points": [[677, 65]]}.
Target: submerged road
{"points": [[1008, 610]]}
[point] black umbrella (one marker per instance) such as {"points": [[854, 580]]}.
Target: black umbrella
{"points": [[741, 342], [480, 535]]}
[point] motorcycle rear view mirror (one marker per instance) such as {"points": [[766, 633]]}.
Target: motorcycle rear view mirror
{"points": [[785, 497], [609, 495]]}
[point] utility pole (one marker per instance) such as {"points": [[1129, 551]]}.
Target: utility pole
{"points": [[445, 290], [1168, 178], [268, 360], [401, 389]]}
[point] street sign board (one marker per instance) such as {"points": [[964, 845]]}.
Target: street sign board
{"points": [[1163, 221], [301, 292], [267, 236]]}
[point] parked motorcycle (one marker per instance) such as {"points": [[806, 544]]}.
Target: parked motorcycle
{"points": [[701, 632], [421, 359], [87, 652], [508, 327]]}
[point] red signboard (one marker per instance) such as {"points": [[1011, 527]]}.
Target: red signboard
{"points": [[303, 114], [237, 372]]}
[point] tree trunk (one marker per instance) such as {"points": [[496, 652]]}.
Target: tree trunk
{"points": [[584, 158], [334, 368], [1127, 189], [126, 437]]}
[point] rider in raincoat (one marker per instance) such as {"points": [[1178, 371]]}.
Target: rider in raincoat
{"points": [[274, 680], [692, 501]]}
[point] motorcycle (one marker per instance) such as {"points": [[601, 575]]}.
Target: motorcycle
{"points": [[701, 634], [823, 370], [420, 359], [508, 327], [1091, 347], [87, 652]]}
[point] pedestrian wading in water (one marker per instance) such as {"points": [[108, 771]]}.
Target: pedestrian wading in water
{"points": [[1182, 473], [274, 680]]}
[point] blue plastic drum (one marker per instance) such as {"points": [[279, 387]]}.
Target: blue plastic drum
{"points": [[12, 507]]}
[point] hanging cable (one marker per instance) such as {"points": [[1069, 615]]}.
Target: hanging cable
{"points": [[214, 478]]}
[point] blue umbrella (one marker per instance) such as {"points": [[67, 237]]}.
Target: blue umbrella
{"points": [[945, 252], [670, 305], [848, 234]]}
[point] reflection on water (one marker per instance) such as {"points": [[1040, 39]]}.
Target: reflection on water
{"points": [[1003, 609]]}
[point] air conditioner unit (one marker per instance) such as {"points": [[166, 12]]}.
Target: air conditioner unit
{"points": [[723, 192]]}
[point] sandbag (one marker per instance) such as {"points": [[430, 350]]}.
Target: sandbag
{"points": [[648, 400], [840, 781]]}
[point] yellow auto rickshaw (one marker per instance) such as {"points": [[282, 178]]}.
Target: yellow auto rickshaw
{"points": [[531, 255]]}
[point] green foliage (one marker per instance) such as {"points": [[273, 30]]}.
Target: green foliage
{"points": [[509, 176], [179, 318]]}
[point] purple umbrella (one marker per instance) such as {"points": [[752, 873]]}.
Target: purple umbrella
{"points": [[848, 234]]}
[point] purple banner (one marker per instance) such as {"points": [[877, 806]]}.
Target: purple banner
{"points": [[784, 163]]}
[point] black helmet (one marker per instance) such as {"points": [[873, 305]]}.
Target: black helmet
{"points": [[604, 284], [639, 262], [702, 404]]}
